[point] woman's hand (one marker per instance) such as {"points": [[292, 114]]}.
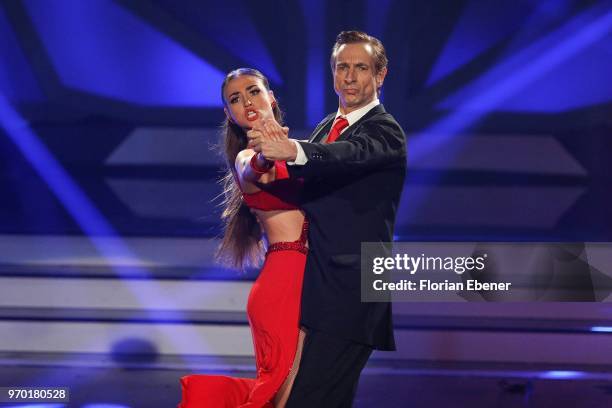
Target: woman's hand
{"points": [[272, 140], [255, 137], [267, 129]]}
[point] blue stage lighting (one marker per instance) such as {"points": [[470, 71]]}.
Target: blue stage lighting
{"points": [[601, 329], [101, 234], [241, 39], [513, 76], [51, 171], [316, 61], [500, 85], [566, 69], [17, 81], [96, 46], [561, 375], [481, 26], [377, 14]]}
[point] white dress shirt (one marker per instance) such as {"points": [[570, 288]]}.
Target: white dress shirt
{"points": [[352, 117]]}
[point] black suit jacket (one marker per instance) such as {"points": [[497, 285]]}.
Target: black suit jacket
{"points": [[352, 189]]}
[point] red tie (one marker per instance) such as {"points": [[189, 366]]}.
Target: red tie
{"points": [[339, 124]]}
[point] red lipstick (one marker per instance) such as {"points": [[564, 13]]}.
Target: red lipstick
{"points": [[251, 114]]}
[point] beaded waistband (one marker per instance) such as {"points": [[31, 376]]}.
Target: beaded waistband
{"points": [[288, 246], [299, 245]]}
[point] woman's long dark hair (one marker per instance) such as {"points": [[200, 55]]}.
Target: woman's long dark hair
{"points": [[242, 243]]}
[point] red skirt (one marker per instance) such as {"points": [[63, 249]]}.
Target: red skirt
{"points": [[274, 316]]}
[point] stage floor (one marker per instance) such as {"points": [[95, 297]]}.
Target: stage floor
{"points": [[416, 387]]}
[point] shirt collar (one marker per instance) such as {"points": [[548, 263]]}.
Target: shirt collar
{"points": [[355, 115]]}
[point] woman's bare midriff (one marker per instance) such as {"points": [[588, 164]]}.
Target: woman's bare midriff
{"points": [[281, 225]]}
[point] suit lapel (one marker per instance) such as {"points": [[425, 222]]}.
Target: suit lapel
{"points": [[322, 129], [374, 111]]}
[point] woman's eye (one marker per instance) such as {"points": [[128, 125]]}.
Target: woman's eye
{"points": [[234, 99], [254, 91]]}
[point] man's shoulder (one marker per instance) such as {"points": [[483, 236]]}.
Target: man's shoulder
{"points": [[379, 116], [379, 113]]}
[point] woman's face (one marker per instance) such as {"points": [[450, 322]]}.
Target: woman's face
{"points": [[247, 100]]}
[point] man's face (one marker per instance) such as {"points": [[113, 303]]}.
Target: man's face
{"points": [[355, 81]]}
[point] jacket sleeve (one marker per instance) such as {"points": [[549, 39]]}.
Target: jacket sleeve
{"points": [[374, 144]]}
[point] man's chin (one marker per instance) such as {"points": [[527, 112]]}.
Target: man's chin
{"points": [[352, 104]]}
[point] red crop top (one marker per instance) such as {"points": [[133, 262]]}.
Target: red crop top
{"points": [[281, 194]]}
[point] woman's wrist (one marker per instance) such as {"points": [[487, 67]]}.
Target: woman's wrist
{"points": [[260, 164]]}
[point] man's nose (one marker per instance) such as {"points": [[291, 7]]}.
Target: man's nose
{"points": [[350, 75]]}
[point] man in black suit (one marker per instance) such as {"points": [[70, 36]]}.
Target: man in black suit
{"points": [[353, 169]]}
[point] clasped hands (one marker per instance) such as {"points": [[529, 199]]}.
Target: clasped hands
{"points": [[272, 140]]}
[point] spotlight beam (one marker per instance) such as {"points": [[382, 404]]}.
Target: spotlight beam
{"points": [[523, 72], [99, 231]]}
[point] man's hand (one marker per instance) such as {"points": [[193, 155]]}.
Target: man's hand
{"points": [[271, 139]]}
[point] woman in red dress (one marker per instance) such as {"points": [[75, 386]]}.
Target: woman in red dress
{"points": [[259, 199]]}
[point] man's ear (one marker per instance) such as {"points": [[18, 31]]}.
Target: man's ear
{"points": [[380, 77]]}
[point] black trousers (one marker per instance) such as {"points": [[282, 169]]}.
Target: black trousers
{"points": [[329, 372]]}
